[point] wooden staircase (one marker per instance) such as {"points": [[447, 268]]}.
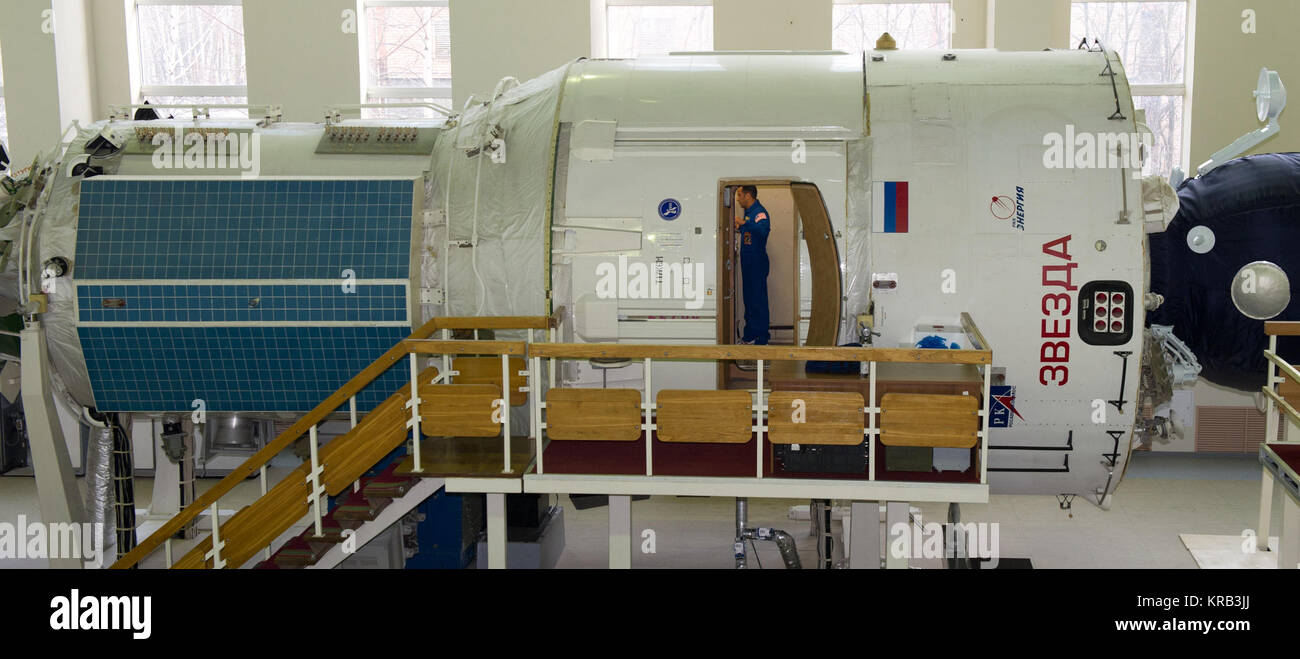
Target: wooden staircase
{"points": [[340, 463], [350, 512], [346, 459]]}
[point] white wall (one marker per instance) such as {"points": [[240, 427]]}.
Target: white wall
{"points": [[492, 39], [771, 25], [112, 70], [300, 56], [1227, 64], [31, 79], [73, 47], [1029, 24]]}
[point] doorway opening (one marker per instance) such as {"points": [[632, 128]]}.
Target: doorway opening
{"points": [[803, 283]]}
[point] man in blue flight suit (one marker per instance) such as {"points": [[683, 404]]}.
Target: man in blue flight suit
{"points": [[754, 229]]}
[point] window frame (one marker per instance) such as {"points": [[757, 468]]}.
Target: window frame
{"points": [[440, 94], [1182, 90], [145, 91], [952, 13]]}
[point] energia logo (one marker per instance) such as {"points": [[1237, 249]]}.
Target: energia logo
{"points": [[209, 149], [83, 542], [670, 281], [103, 613]]}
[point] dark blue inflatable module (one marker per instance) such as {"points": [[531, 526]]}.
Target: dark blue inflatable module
{"points": [[1253, 206]]}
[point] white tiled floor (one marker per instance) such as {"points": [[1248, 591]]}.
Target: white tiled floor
{"points": [[1160, 498]]}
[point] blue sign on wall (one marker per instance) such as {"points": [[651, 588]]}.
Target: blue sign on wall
{"points": [[670, 209], [1002, 406]]}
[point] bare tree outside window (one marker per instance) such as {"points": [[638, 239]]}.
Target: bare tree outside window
{"points": [[914, 25], [409, 59], [192, 54], [1151, 40], [641, 30]]}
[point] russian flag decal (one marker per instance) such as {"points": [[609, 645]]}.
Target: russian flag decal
{"points": [[889, 205]]}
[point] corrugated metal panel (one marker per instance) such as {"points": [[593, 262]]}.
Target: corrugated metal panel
{"points": [[1222, 429]]}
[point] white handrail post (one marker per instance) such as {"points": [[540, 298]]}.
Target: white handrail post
{"points": [[414, 423], [167, 552], [505, 413], [352, 416], [987, 390], [1272, 416], [758, 418], [446, 359], [648, 427], [871, 420], [317, 490], [535, 372], [261, 478], [215, 553]]}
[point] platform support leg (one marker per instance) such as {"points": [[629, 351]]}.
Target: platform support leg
{"points": [[864, 535], [1267, 488], [896, 521], [620, 532], [496, 530], [56, 484], [1288, 550]]}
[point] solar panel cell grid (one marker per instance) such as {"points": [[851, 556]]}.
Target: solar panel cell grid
{"points": [[235, 291]]}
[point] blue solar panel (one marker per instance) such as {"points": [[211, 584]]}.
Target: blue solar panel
{"points": [[235, 291], [190, 303], [245, 369], [244, 229]]}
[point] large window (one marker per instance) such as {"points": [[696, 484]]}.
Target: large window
{"points": [[637, 29], [1151, 39], [192, 52], [407, 55], [914, 25]]}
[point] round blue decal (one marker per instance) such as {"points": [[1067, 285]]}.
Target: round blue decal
{"points": [[670, 209]]}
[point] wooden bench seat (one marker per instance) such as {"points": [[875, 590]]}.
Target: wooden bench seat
{"points": [[704, 417], [929, 420], [604, 415], [824, 418]]}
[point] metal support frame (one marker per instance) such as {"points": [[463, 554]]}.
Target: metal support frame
{"points": [[896, 512], [1267, 492], [864, 535], [1288, 544], [620, 532], [496, 530], [56, 483]]}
